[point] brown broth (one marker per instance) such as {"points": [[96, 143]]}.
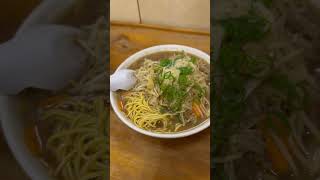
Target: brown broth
{"points": [[37, 133]]}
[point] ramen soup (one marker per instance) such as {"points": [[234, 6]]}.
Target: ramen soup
{"points": [[70, 129], [171, 93]]}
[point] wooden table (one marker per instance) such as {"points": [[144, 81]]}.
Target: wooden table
{"points": [[138, 157]]}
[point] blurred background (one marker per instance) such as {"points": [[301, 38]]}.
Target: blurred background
{"points": [[12, 14]]}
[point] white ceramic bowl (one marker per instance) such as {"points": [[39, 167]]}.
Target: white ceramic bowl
{"points": [[143, 53], [12, 114]]}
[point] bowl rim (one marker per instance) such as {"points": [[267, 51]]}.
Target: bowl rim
{"points": [[142, 53]]}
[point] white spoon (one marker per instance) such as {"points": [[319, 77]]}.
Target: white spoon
{"points": [[45, 57], [123, 79]]}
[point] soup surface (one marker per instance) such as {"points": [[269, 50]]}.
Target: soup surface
{"points": [[171, 94]]}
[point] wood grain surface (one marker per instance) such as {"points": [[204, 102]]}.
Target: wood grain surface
{"points": [[134, 156]]}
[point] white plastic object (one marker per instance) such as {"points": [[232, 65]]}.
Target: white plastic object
{"points": [[123, 79], [42, 56]]}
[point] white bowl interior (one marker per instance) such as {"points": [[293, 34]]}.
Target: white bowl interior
{"points": [[130, 60], [14, 124]]}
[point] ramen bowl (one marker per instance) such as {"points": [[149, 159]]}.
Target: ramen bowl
{"points": [[143, 53]]}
